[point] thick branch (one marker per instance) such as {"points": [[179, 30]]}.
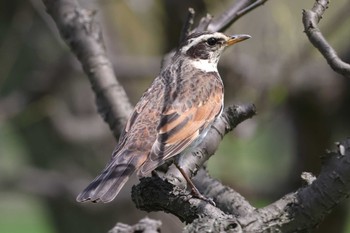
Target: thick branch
{"points": [[83, 35], [305, 208], [311, 18], [300, 210], [156, 194], [225, 198]]}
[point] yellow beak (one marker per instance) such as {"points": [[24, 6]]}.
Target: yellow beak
{"points": [[237, 38]]}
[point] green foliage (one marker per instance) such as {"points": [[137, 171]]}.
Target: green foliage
{"points": [[21, 213]]}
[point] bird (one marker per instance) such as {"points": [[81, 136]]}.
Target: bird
{"points": [[175, 113]]}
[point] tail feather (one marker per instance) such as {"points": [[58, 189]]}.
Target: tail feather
{"points": [[148, 167], [106, 186]]}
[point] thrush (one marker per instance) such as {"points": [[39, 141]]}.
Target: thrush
{"points": [[174, 114]]}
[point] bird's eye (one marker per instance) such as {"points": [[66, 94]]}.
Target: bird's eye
{"points": [[212, 41]]}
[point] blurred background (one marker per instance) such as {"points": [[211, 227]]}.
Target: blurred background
{"points": [[53, 142]]}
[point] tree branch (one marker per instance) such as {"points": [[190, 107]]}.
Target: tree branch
{"points": [[218, 24], [237, 10], [83, 35], [225, 198], [311, 18], [156, 194], [187, 27], [305, 208], [299, 210], [145, 225]]}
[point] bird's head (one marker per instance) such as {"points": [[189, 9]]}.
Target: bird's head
{"points": [[208, 46]]}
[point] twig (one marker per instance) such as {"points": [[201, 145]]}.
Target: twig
{"points": [[237, 10], [311, 18], [203, 23], [221, 23], [83, 35], [187, 27]]}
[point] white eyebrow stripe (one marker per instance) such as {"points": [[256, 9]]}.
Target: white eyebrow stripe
{"points": [[202, 38]]}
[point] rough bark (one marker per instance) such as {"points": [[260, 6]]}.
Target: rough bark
{"points": [[299, 211], [145, 225]]}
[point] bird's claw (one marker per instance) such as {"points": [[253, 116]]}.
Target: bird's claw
{"points": [[198, 195]]}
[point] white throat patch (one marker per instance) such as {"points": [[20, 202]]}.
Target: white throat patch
{"points": [[205, 65]]}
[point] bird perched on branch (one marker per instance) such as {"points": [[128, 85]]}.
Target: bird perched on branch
{"points": [[174, 114]]}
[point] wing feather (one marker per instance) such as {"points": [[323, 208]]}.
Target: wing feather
{"points": [[185, 126]]}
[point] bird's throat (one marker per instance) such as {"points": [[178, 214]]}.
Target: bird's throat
{"points": [[205, 65]]}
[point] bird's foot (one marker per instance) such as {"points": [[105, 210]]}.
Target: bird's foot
{"points": [[198, 195], [195, 191]]}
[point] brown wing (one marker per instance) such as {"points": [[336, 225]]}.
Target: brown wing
{"points": [[142, 119], [180, 126]]}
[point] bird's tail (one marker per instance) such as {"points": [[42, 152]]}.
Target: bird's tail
{"points": [[107, 185]]}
